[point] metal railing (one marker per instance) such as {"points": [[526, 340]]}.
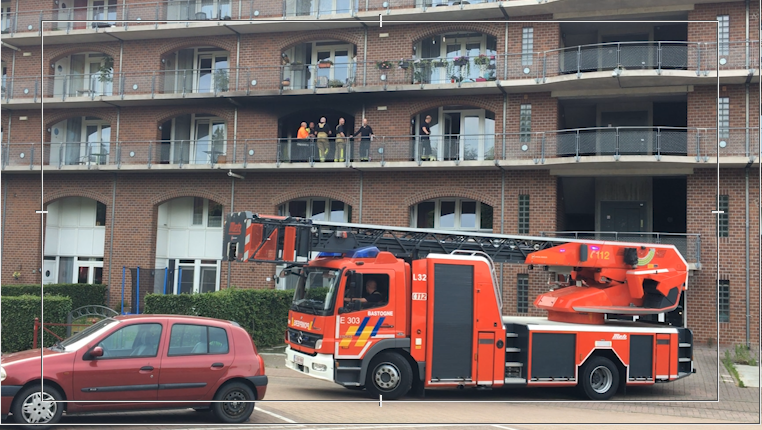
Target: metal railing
{"points": [[621, 58], [689, 244], [699, 145], [188, 12]]}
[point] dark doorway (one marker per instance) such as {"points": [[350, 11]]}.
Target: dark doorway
{"points": [[672, 114], [578, 196], [670, 211], [289, 125]]}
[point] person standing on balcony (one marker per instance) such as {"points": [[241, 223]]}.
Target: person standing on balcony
{"points": [[367, 135], [425, 140], [338, 155], [302, 141], [322, 132], [311, 131]]}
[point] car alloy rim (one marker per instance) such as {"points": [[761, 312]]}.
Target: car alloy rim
{"points": [[601, 379], [387, 376], [39, 408], [235, 403]]}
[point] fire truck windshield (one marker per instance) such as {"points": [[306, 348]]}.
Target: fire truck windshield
{"points": [[316, 291]]}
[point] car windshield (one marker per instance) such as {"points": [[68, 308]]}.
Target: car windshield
{"points": [[78, 340], [316, 291]]}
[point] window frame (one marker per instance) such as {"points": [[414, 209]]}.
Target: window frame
{"points": [[283, 209], [723, 35], [522, 293], [208, 341], [132, 346], [723, 300], [525, 123], [723, 218], [524, 214], [527, 46], [457, 215]]}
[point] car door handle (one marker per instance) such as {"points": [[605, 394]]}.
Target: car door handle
{"points": [[217, 365], [387, 326], [146, 368]]}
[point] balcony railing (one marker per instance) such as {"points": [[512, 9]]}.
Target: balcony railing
{"points": [[621, 58], [689, 244], [186, 12], [696, 145]]}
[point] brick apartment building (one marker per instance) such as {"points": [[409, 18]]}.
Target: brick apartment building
{"points": [[551, 126]]}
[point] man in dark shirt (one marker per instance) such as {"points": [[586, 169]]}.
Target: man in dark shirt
{"points": [[425, 142], [373, 297], [367, 135]]}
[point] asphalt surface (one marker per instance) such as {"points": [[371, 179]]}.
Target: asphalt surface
{"points": [[298, 401]]}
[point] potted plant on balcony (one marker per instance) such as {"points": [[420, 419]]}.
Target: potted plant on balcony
{"points": [[286, 82], [384, 65], [403, 64], [483, 60], [335, 83], [221, 80], [106, 69], [325, 64], [439, 63]]}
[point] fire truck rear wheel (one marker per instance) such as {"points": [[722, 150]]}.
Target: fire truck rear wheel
{"points": [[389, 375], [600, 378]]}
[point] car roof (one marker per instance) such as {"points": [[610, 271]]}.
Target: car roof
{"points": [[174, 318]]}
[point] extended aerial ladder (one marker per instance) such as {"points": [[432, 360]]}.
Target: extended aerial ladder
{"points": [[603, 277]]}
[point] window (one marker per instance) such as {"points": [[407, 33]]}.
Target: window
{"points": [[187, 339], [723, 117], [723, 303], [524, 214], [723, 229], [522, 294], [100, 214], [375, 291], [213, 211], [137, 340], [317, 209], [724, 35], [7, 18], [196, 276], [527, 46], [525, 123], [456, 214]]}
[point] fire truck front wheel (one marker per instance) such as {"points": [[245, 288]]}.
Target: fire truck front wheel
{"points": [[600, 378], [389, 375]]}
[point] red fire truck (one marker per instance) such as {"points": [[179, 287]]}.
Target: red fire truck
{"points": [[436, 317]]}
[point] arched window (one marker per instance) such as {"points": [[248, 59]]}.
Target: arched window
{"points": [[80, 140], [75, 233], [450, 58], [189, 243], [452, 213], [193, 139], [317, 209], [457, 133], [85, 74]]}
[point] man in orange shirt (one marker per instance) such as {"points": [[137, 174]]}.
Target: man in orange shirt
{"points": [[299, 151]]}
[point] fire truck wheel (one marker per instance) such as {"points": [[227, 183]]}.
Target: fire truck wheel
{"points": [[389, 375], [600, 378]]}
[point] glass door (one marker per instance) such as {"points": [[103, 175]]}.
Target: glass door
{"points": [[100, 83], [326, 7], [89, 271], [204, 73], [5, 10], [212, 72], [98, 137], [210, 138], [103, 12], [338, 73]]}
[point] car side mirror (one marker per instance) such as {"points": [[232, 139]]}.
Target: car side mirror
{"points": [[94, 353]]}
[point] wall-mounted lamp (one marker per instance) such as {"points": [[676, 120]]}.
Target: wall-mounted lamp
{"points": [[160, 128], [383, 77], [163, 60]]}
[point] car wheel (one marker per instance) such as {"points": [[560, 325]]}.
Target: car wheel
{"points": [[389, 375], [32, 408], [600, 378], [237, 403]]}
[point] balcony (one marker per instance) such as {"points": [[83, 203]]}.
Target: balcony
{"points": [[194, 13], [661, 146], [646, 63], [689, 244]]}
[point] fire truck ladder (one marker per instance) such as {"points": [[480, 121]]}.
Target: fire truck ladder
{"points": [[291, 240]]}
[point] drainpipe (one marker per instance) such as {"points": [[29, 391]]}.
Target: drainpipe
{"points": [[365, 61], [5, 215], [238, 56], [111, 244], [746, 219], [232, 204], [748, 48], [359, 220], [121, 55], [235, 135]]}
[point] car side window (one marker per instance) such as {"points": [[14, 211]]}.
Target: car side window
{"points": [[191, 339], [135, 340]]}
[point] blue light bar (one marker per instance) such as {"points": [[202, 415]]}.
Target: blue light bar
{"points": [[367, 252]]}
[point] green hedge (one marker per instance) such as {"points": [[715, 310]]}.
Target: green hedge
{"points": [[263, 313], [18, 316], [80, 294]]}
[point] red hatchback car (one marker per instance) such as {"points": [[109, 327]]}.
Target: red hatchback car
{"points": [[137, 362]]}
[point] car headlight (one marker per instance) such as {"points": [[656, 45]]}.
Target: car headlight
{"points": [[2, 374], [319, 344]]}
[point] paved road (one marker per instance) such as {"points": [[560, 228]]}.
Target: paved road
{"points": [[307, 403]]}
